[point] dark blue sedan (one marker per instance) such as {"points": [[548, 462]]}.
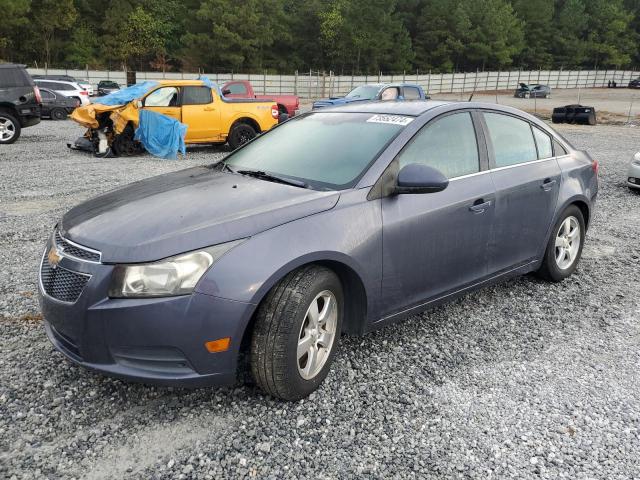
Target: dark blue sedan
{"points": [[338, 221]]}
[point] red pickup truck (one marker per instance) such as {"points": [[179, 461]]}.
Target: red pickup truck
{"points": [[242, 89]]}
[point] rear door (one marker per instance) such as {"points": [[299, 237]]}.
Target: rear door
{"points": [[164, 100], [435, 243], [200, 114], [526, 176]]}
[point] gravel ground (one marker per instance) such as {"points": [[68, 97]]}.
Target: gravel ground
{"points": [[522, 380]]}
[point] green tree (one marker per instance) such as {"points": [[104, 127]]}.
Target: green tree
{"points": [[538, 32], [50, 17], [495, 35], [610, 40], [14, 19]]}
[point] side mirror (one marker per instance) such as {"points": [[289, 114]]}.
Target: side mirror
{"points": [[636, 157], [419, 178], [226, 92], [139, 104]]}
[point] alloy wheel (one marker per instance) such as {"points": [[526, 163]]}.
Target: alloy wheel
{"points": [[567, 242], [317, 334], [7, 129]]}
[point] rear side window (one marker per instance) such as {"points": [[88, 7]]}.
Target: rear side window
{"points": [[511, 138], [14, 77], [196, 96], [237, 89], [411, 93], [447, 144], [46, 94], [543, 141]]}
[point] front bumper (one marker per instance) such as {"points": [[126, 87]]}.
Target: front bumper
{"points": [[157, 341]]}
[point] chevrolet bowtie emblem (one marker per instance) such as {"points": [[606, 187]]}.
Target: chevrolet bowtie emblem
{"points": [[54, 257]]}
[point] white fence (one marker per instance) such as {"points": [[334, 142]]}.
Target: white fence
{"points": [[315, 84]]}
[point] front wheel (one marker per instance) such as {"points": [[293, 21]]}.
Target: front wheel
{"points": [[565, 246], [241, 134], [296, 333]]}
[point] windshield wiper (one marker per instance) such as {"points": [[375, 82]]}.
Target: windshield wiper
{"points": [[270, 177]]}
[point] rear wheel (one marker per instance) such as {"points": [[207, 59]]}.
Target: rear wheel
{"points": [[9, 128], [58, 114], [565, 246], [240, 134], [296, 333]]}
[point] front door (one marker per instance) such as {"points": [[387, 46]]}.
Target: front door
{"points": [[164, 100], [526, 176], [436, 243], [200, 114]]}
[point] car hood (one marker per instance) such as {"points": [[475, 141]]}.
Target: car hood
{"points": [[186, 210], [329, 102]]}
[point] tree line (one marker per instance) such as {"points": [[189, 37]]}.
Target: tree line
{"points": [[346, 36]]}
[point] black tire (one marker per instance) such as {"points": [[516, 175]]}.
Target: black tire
{"points": [[240, 134], [9, 123], [278, 326], [549, 270], [282, 109], [58, 114]]}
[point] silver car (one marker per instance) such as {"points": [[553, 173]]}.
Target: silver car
{"points": [[633, 175]]}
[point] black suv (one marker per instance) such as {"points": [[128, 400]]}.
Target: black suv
{"points": [[20, 102]]}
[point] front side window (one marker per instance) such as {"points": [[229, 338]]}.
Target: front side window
{"points": [[162, 97], [237, 89], [390, 93], [543, 141], [196, 96], [328, 151], [411, 93], [447, 144], [511, 138]]}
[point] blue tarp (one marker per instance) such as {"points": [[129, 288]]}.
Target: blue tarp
{"points": [[162, 136], [124, 96]]}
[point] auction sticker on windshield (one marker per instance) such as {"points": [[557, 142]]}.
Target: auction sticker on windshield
{"points": [[392, 119]]}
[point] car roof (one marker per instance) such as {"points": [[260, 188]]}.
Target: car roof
{"points": [[412, 108], [55, 81], [179, 83]]}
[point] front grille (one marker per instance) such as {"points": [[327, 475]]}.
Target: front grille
{"points": [[74, 250], [60, 283]]}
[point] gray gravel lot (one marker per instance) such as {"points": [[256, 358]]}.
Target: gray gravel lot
{"points": [[523, 380]]}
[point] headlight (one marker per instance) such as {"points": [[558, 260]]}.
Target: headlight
{"points": [[172, 276]]}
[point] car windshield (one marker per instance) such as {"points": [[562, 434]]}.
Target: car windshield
{"points": [[327, 151], [109, 84], [365, 92]]}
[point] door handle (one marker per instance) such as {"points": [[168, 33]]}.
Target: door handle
{"points": [[547, 185], [479, 206], [209, 109]]}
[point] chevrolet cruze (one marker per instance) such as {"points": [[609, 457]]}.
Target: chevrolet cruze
{"points": [[338, 221]]}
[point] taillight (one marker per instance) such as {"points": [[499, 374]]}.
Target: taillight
{"points": [[36, 91], [84, 92], [595, 166], [274, 111]]}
